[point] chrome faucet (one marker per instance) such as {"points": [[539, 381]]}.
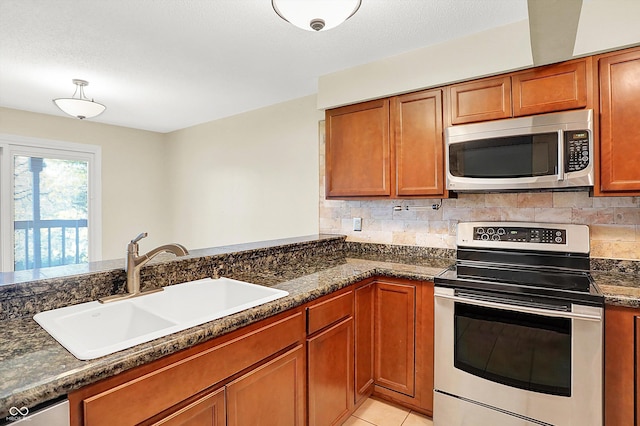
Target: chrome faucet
{"points": [[135, 262]]}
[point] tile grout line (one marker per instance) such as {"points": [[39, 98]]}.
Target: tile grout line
{"points": [[405, 418], [359, 418]]}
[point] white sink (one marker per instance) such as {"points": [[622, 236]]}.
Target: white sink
{"points": [[91, 330], [199, 301]]}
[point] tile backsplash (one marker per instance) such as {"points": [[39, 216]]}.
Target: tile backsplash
{"points": [[614, 222]]}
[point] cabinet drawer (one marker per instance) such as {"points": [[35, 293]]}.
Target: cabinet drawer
{"points": [[329, 312], [165, 387]]}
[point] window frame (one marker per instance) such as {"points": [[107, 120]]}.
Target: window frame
{"points": [[11, 145]]}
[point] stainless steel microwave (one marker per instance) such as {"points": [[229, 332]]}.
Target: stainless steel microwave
{"points": [[542, 152]]}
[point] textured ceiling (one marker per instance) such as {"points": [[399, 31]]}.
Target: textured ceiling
{"points": [[163, 65]]}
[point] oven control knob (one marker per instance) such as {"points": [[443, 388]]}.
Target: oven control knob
{"points": [[485, 236], [491, 231], [558, 239], [495, 237], [480, 230], [501, 231]]}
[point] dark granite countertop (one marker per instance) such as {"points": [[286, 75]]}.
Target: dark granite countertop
{"points": [[34, 368], [619, 288]]}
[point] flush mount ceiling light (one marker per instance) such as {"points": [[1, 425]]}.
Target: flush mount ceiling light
{"points": [[80, 107], [316, 15]]}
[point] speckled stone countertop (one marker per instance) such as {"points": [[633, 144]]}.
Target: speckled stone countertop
{"points": [[619, 288], [34, 368]]}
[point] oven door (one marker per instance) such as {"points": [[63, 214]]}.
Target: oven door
{"points": [[531, 363]]}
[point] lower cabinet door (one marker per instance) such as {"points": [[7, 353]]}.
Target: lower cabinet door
{"points": [[206, 411], [272, 394], [364, 338], [620, 369], [395, 340], [330, 358]]}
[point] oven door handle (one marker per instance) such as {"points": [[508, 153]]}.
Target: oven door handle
{"points": [[520, 308]]}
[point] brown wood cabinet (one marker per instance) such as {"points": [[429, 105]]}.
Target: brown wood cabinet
{"points": [[480, 100], [418, 143], [166, 388], [208, 410], [386, 148], [358, 150], [364, 339], [540, 90], [551, 88], [392, 355], [619, 77], [621, 365], [403, 348], [395, 336], [272, 394], [330, 359]]}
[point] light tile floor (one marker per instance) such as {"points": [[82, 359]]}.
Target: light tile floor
{"points": [[382, 413]]}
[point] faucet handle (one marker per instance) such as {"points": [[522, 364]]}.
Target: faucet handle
{"points": [[139, 237]]}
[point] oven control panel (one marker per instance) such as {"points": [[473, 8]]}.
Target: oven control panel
{"points": [[519, 234]]}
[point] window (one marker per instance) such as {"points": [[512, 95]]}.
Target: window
{"points": [[50, 203]]}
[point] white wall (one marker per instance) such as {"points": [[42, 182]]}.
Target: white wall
{"points": [[489, 52], [249, 177], [607, 25], [133, 174]]}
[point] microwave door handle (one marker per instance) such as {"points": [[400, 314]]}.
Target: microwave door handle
{"points": [[561, 144]]}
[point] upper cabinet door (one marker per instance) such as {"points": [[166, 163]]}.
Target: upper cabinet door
{"points": [[480, 100], [620, 123], [358, 150], [418, 142], [550, 88]]}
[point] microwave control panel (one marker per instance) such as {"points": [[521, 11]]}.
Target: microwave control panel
{"points": [[577, 150], [521, 235]]}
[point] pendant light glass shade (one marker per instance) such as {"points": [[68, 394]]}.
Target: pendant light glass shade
{"points": [[80, 107], [316, 15]]}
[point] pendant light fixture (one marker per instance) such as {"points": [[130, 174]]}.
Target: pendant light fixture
{"points": [[315, 15], [80, 107]]}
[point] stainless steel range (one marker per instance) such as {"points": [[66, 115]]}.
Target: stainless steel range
{"points": [[518, 328]]}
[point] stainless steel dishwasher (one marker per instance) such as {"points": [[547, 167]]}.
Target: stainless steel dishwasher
{"points": [[56, 414]]}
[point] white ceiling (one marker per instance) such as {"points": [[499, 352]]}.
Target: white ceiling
{"points": [[163, 65]]}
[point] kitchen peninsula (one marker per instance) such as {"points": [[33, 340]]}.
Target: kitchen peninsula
{"points": [[36, 369]]}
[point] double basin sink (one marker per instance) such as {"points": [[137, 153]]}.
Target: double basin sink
{"points": [[91, 330]]}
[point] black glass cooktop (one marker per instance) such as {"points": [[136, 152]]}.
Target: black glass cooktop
{"points": [[560, 280], [568, 286]]}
